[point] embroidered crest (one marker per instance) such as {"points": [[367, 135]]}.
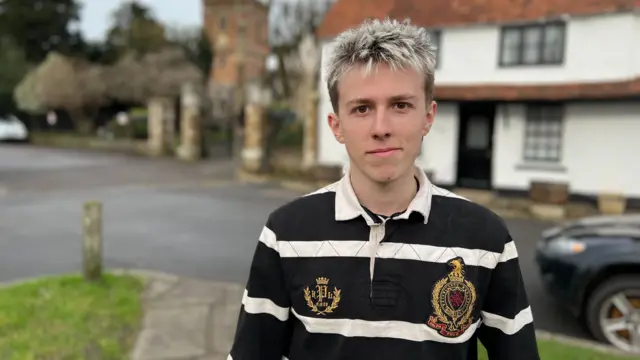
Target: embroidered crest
{"points": [[320, 300], [453, 299]]}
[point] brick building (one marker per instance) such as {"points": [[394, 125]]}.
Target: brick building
{"points": [[223, 21]]}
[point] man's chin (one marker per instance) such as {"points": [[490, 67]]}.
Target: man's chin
{"points": [[384, 176]]}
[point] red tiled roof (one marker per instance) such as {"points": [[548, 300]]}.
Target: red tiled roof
{"points": [[350, 13], [585, 91], [439, 13]]}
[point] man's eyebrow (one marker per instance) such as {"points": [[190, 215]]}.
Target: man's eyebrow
{"points": [[403, 97], [394, 98], [359, 101]]}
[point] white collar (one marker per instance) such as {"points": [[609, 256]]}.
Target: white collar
{"points": [[347, 206]]}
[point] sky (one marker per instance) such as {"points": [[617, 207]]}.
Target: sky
{"points": [[95, 16]]}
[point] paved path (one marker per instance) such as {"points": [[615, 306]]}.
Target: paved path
{"points": [[187, 319], [192, 220]]}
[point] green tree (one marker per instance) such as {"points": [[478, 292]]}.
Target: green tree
{"points": [[134, 28], [40, 26], [196, 45], [13, 67]]}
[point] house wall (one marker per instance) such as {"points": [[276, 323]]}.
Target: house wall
{"points": [[597, 48], [600, 149], [440, 147], [636, 34]]}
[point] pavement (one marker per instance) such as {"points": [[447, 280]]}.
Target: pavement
{"points": [[192, 220], [186, 319]]}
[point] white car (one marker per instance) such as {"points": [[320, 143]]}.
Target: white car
{"points": [[12, 129]]}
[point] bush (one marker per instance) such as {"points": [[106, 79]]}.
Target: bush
{"points": [[136, 128], [286, 129]]}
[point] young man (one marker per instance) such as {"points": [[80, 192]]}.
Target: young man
{"points": [[382, 264]]}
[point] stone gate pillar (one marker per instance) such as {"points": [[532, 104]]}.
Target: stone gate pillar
{"points": [[255, 131], [310, 139], [190, 125], [160, 126]]}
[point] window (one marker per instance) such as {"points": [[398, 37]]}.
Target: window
{"points": [[540, 44], [543, 134], [223, 23]]}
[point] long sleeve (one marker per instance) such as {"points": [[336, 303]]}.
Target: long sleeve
{"points": [[507, 330], [262, 332]]}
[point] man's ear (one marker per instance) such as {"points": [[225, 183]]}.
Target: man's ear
{"points": [[431, 116], [336, 127]]}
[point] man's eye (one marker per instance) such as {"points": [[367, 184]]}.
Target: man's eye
{"points": [[361, 109], [402, 106]]}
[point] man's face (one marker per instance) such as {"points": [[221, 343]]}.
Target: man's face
{"points": [[381, 120]]}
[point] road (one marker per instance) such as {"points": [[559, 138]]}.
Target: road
{"points": [[191, 220]]}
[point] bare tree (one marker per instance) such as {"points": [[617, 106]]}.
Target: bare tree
{"points": [[136, 78], [63, 83], [293, 20]]}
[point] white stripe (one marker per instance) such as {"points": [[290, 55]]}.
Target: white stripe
{"points": [[510, 252], [380, 329], [264, 306], [388, 250], [506, 325], [268, 238]]}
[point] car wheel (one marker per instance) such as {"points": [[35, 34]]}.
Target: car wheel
{"points": [[613, 312]]}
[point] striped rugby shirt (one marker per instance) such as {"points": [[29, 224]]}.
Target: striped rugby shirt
{"points": [[331, 280]]}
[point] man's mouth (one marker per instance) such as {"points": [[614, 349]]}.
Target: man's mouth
{"points": [[383, 152]]}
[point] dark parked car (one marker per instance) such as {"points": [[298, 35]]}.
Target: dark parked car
{"points": [[592, 266]]}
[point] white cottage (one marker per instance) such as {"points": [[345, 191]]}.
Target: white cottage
{"points": [[536, 91]]}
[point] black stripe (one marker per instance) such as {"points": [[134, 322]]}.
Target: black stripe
{"points": [[402, 289], [260, 336], [452, 223], [266, 278], [521, 345], [506, 295]]}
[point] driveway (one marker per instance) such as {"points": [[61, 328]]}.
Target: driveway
{"points": [[191, 220]]}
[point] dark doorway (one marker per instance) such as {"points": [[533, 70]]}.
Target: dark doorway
{"points": [[475, 144]]}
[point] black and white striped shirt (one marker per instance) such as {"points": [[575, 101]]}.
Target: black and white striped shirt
{"points": [[329, 280]]}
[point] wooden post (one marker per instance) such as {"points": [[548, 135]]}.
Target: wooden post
{"points": [[92, 241]]}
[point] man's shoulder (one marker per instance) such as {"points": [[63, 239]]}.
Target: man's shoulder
{"points": [[318, 203], [475, 218]]}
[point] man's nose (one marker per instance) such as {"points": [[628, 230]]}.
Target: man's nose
{"points": [[381, 126]]}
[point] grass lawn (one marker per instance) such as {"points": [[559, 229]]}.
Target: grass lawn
{"points": [[553, 350], [68, 318]]}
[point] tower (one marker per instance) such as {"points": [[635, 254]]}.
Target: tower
{"points": [[239, 33]]}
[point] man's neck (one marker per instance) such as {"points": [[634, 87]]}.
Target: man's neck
{"points": [[384, 199]]}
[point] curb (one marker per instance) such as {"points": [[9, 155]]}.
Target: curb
{"points": [[147, 275]]}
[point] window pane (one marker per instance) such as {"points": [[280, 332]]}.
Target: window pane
{"points": [[543, 135], [553, 50], [477, 133], [510, 46], [532, 39]]}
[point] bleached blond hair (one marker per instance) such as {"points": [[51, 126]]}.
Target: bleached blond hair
{"points": [[398, 44]]}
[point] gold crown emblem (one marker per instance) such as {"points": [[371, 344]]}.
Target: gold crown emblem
{"points": [[457, 270], [322, 281]]}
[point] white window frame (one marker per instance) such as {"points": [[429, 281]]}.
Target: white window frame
{"points": [[543, 134]]}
